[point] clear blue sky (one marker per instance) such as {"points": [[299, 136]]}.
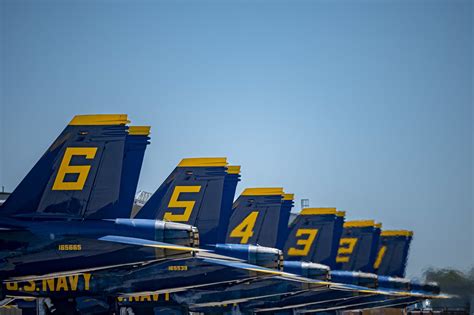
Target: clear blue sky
{"points": [[361, 105]]}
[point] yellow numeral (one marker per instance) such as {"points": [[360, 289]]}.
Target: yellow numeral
{"points": [[245, 229], [380, 256], [175, 203], [346, 247], [177, 268], [70, 247], [81, 170], [305, 242]]}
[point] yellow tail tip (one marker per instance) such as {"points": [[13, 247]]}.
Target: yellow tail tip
{"points": [[362, 223], [203, 162], [318, 211], [266, 191], [139, 130], [405, 233], [233, 169], [99, 120]]}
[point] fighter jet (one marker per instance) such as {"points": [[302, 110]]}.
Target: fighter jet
{"points": [[66, 229], [200, 193]]}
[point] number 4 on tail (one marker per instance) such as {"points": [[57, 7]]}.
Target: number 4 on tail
{"points": [[245, 229]]}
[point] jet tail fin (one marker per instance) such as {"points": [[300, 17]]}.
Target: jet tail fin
{"points": [[392, 252], [78, 176], [258, 217], [358, 246], [314, 236], [192, 194]]}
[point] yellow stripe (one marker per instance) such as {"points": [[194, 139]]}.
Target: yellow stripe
{"points": [[266, 271], [341, 213], [364, 223], [397, 233], [203, 162], [183, 248], [99, 120], [378, 225], [380, 256], [288, 196], [233, 169], [139, 130], [318, 211], [269, 191]]}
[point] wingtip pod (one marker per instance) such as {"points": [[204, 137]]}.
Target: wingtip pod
{"points": [[395, 233], [99, 120], [341, 213], [267, 191], [288, 197], [203, 162], [139, 130], [318, 211]]}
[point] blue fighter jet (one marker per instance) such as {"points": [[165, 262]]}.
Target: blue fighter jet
{"points": [[66, 232]]}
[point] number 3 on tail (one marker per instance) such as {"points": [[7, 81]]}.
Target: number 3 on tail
{"points": [[245, 229], [305, 242]]}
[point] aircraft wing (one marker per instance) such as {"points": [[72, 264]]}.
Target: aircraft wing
{"points": [[143, 242], [294, 277], [211, 258], [263, 270], [5, 302], [79, 271], [424, 295], [391, 292], [115, 239], [361, 289]]}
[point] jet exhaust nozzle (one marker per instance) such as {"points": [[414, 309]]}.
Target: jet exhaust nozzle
{"points": [[394, 283], [364, 279], [425, 287], [308, 270]]}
